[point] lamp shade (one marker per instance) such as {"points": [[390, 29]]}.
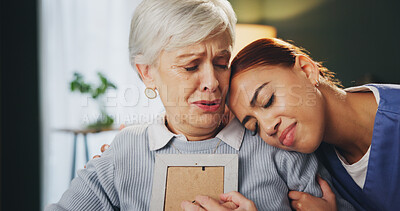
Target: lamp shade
{"points": [[247, 33]]}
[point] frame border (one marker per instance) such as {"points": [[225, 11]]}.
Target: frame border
{"points": [[230, 162]]}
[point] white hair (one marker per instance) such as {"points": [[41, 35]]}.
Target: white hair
{"points": [[167, 24]]}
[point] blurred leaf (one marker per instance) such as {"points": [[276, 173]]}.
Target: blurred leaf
{"points": [[78, 84], [112, 85], [102, 78]]}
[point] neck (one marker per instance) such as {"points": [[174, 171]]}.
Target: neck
{"points": [[350, 121], [192, 133]]}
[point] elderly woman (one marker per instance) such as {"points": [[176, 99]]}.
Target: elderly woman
{"points": [[181, 48]]}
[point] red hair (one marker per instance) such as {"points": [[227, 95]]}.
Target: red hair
{"points": [[272, 51]]}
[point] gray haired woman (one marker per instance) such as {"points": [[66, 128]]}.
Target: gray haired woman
{"points": [[181, 49]]}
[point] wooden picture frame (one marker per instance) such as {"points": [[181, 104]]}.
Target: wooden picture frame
{"points": [[192, 174]]}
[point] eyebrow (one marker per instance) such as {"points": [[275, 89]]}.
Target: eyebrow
{"points": [[253, 102], [189, 55], [221, 53], [254, 99], [224, 52]]}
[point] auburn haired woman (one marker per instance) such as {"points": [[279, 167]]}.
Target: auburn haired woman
{"points": [[294, 103]]}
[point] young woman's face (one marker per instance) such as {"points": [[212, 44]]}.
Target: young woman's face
{"points": [[281, 104]]}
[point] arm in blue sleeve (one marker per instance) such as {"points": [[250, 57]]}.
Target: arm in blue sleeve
{"points": [[299, 171], [92, 189]]}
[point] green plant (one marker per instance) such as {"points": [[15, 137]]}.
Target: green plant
{"points": [[79, 85]]}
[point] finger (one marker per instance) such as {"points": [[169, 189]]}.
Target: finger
{"points": [[104, 147], [297, 205], [186, 205], [326, 190], [295, 195], [230, 205], [233, 196], [301, 196], [122, 126], [210, 203], [96, 156], [238, 199]]}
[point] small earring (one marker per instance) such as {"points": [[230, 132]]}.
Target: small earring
{"points": [[317, 83], [150, 93]]}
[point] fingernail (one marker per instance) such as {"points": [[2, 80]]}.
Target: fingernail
{"points": [[104, 147]]}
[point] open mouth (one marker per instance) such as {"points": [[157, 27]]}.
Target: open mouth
{"points": [[209, 104]]}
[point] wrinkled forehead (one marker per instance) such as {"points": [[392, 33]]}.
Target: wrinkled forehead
{"points": [[216, 46], [220, 41]]}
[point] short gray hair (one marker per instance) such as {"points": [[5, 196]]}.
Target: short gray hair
{"points": [[167, 24]]}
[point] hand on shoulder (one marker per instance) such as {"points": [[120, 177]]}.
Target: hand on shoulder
{"points": [[305, 201]]}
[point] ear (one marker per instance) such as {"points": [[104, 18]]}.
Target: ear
{"points": [[146, 73], [309, 67]]}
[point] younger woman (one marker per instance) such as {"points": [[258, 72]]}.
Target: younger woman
{"points": [[294, 103]]}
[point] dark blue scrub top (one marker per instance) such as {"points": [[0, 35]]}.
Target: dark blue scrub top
{"points": [[382, 185]]}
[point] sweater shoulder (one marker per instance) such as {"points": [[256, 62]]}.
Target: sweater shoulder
{"points": [[281, 158], [130, 137]]}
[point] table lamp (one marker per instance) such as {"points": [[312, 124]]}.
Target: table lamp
{"points": [[247, 33]]}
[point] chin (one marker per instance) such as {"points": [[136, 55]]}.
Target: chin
{"points": [[309, 148], [208, 120], [307, 151]]}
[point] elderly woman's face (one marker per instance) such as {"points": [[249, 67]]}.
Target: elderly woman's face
{"points": [[193, 82]]}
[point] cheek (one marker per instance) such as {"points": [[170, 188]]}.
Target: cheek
{"points": [[312, 133], [223, 80], [175, 94], [186, 92]]}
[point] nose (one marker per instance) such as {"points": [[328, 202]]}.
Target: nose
{"points": [[209, 81], [272, 126]]}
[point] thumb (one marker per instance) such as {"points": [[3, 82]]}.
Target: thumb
{"points": [[327, 193]]}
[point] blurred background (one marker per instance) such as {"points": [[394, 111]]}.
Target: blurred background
{"points": [[44, 131]]}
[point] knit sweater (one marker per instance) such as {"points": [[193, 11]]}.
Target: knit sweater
{"points": [[122, 178]]}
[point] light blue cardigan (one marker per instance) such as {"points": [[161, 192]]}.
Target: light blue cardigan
{"points": [[122, 178]]}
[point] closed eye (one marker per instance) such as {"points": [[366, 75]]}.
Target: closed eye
{"points": [[254, 132], [222, 66], [270, 101], [191, 68]]}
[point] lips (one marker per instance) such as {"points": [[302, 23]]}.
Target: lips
{"points": [[207, 105], [287, 136]]}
